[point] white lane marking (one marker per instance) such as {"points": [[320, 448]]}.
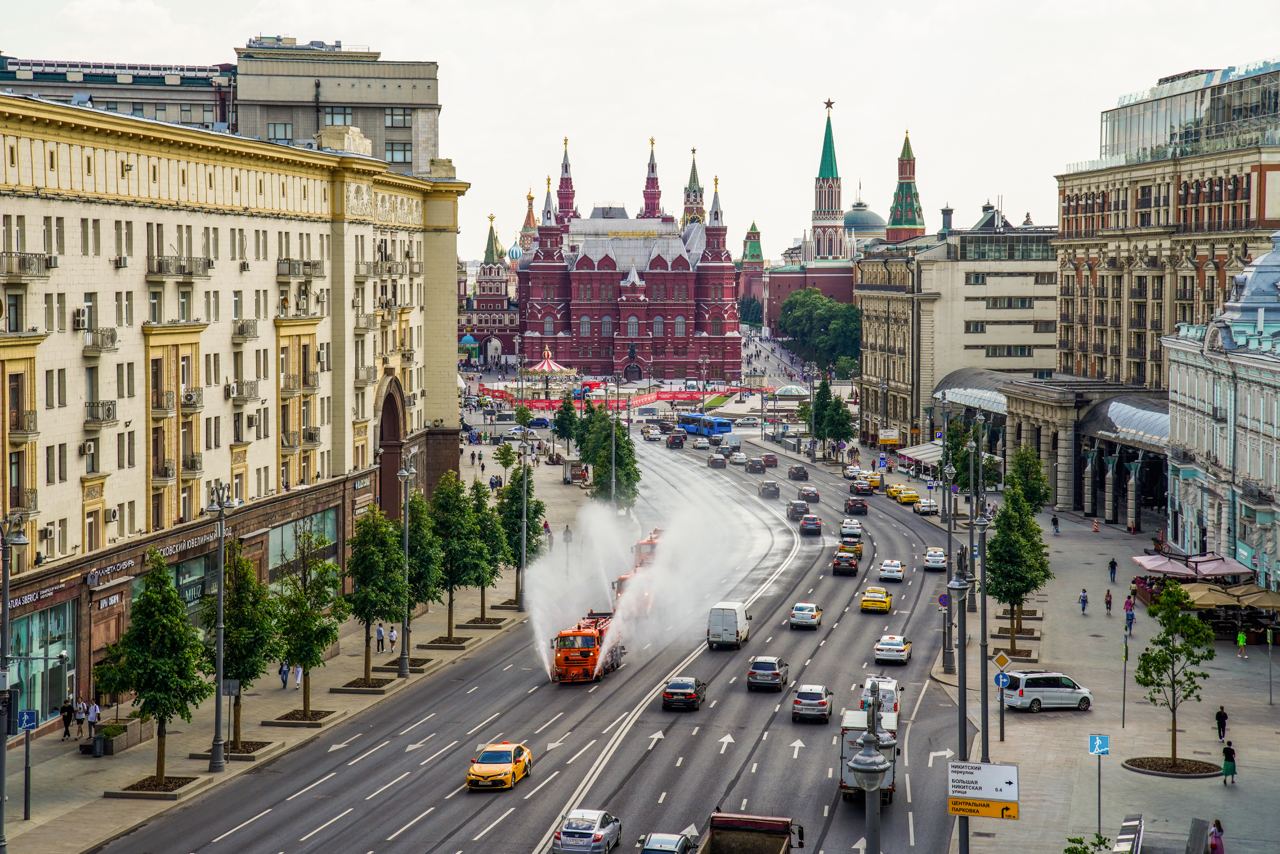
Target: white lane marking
{"points": [[461, 788], [695, 730], [679, 761], [411, 823], [742, 808], [908, 776], [419, 723], [821, 644], [662, 797], [472, 689], [846, 610], [312, 786], [646, 646], [836, 625], [835, 738], [242, 824], [437, 753], [605, 731], [906, 745], [713, 703], [764, 736], [592, 689], [580, 752], [540, 785], [326, 824], [483, 723], [369, 752], [387, 786], [734, 679], [810, 591], [753, 767], [916, 710], [548, 723], [769, 638], [806, 661], [776, 708], [481, 834], [508, 667], [911, 828], [864, 667], [825, 809], [531, 690]]}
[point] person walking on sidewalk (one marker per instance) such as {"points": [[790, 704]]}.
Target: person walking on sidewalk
{"points": [[1221, 718], [1106, 600], [297, 676], [284, 674], [68, 712], [92, 715], [81, 711], [380, 635], [392, 637], [1111, 568], [1241, 640], [1228, 764], [1216, 845], [1128, 615], [1054, 522], [1084, 600]]}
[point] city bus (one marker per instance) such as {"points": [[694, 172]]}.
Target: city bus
{"points": [[697, 424]]}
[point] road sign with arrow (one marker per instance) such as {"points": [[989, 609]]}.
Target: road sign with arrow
{"points": [[982, 789]]}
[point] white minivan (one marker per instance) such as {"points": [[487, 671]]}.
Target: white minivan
{"points": [[728, 624]]}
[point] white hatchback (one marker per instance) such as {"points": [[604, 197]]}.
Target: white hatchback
{"points": [[701, 443], [850, 528], [891, 570]]}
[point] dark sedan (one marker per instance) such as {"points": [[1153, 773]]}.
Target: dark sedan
{"points": [[808, 493], [768, 489], [755, 466], [797, 510], [855, 506], [844, 563], [861, 487], [797, 473], [684, 692]]}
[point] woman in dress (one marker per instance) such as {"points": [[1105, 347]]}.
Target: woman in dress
{"points": [[1216, 845]]}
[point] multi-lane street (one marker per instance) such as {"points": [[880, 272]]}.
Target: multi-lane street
{"points": [[392, 778]]}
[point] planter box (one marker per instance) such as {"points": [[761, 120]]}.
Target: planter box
{"points": [[1002, 633], [459, 644], [186, 791], [136, 731], [323, 722], [1032, 658], [487, 627], [257, 756], [385, 689]]}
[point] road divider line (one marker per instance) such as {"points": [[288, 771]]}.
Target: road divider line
{"points": [[616, 721], [312, 786], [326, 824], [548, 723], [580, 752], [662, 797], [481, 834], [483, 723], [908, 778], [245, 824], [531, 690], [419, 723], [461, 788], [387, 786], [411, 823], [553, 775], [679, 761], [911, 828], [369, 752], [437, 753], [472, 689]]}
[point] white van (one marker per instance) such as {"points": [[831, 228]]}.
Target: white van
{"points": [[728, 625], [730, 442]]}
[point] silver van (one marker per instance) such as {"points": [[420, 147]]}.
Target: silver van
{"points": [[728, 624], [1034, 690]]}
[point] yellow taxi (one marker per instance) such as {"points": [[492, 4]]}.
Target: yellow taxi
{"points": [[907, 496], [500, 766], [893, 489], [876, 599], [874, 479]]}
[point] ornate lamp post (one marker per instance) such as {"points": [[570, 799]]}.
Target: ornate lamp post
{"points": [[959, 589], [983, 522], [219, 502], [948, 652], [703, 362], [406, 473], [10, 535]]}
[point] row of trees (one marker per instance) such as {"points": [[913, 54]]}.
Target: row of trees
{"points": [[750, 311], [602, 443], [457, 540], [832, 421], [1017, 559], [820, 328]]}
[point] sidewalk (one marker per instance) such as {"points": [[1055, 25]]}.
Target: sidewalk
{"points": [[1058, 779], [69, 813]]}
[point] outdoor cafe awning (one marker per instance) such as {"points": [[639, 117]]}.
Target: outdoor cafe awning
{"points": [[1200, 566], [929, 454]]}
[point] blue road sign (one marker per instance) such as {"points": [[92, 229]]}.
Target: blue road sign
{"points": [[944, 600], [1099, 745], [1002, 680], [28, 719], [937, 435]]}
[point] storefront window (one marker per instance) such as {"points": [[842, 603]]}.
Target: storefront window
{"points": [[38, 639], [282, 540]]}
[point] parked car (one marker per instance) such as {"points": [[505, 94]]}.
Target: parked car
{"points": [[755, 465], [893, 648], [812, 701], [852, 472], [925, 507], [797, 510], [805, 615], [768, 671], [684, 692], [893, 489], [540, 422], [873, 479], [891, 570], [808, 493], [1034, 690], [797, 473], [715, 461], [810, 525], [908, 496], [768, 489], [770, 460], [594, 831], [667, 843], [855, 506]]}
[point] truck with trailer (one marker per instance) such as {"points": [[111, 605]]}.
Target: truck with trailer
{"points": [[736, 833]]}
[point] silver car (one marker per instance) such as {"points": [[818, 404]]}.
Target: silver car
{"points": [[594, 831], [768, 671], [805, 615], [812, 701]]}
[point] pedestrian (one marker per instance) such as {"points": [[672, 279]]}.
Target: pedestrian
{"points": [[380, 636], [392, 637], [92, 715], [1241, 640], [1111, 567], [473, 458], [81, 711], [482, 468], [1054, 522], [284, 674], [68, 712], [1216, 845], [482, 460], [297, 676], [1228, 764], [568, 535], [1221, 718], [1084, 600], [1106, 600]]}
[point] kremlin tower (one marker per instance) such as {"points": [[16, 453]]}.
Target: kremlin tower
{"points": [[693, 210], [906, 220]]}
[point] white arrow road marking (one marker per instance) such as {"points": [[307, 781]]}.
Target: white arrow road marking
{"points": [[860, 845], [945, 754], [369, 752], [548, 723], [419, 723], [690, 831], [725, 742], [483, 723], [418, 744], [554, 744], [795, 748], [343, 744], [654, 739], [437, 753]]}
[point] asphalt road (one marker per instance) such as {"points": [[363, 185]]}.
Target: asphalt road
{"points": [[390, 780]]}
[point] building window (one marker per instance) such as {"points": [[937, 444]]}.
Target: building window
{"points": [[1044, 278], [975, 278], [1008, 351], [1010, 302], [280, 131], [633, 326], [584, 326], [397, 117], [548, 326], [658, 330], [399, 152], [717, 326], [1044, 326], [679, 332], [337, 116], [606, 327], [972, 326]]}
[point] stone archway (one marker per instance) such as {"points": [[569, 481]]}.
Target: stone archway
{"points": [[631, 372], [391, 436]]}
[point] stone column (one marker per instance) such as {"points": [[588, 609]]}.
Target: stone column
{"points": [[1131, 494], [1044, 436], [1109, 498], [1064, 499], [1090, 494]]}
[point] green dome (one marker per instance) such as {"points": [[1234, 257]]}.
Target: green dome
{"points": [[860, 218]]}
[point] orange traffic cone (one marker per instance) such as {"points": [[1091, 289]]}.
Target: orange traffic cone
{"points": [[1096, 526]]}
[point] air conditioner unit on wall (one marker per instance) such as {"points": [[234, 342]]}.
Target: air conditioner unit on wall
{"points": [[121, 262], [251, 421], [47, 531], [229, 391], [80, 319], [52, 261], [188, 398], [83, 449], [112, 515], [244, 266]]}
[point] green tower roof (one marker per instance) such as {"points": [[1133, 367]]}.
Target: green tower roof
{"points": [[693, 173], [907, 153], [827, 167], [751, 250], [493, 250]]}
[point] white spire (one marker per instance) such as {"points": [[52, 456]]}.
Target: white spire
{"points": [[716, 217]]}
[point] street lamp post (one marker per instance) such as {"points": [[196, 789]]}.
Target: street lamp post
{"points": [[869, 766], [406, 473], [974, 464], [959, 588], [948, 651], [884, 411], [10, 535], [809, 370], [524, 520], [983, 521], [613, 445], [703, 362], [219, 494]]}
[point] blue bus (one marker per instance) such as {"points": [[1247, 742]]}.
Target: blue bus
{"points": [[697, 424]]}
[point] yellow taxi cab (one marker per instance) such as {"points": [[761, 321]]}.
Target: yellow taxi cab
{"points": [[893, 489], [876, 599], [500, 766], [874, 479], [907, 496], [848, 545]]}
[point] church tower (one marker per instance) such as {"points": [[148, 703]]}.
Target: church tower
{"points": [[693, 210], [828, 211], [906, 219], [564, 193], [529, 229], [652, 193]]}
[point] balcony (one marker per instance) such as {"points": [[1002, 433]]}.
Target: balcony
{"points": [[1219, 414], [99, 341], [289, 440], [310, 437], [1064, 344], [162, 267], [415, 268], [290, 384], [22, 426], [18, 267], [24, 502], [1082, 318], [1099, 320], [162, 404], [362, 271], [1115, 322], [1157, 324], [293, 268], [101, 413], [1070, 291], [1137, 352], [1216, 227], [388, 269], [163, 472], [311, 382], [1114, 350], [1099, 347], [1138, 321], [1100, 291], [192, 399], [1138, 293], [244, 330], [1064, 317], [408, 356], [364, 322], [365, 375], [192, 465], [244, 391]]}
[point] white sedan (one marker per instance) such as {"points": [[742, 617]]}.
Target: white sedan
{"points": [[935, 558], [701, 443], [891, 570], [738, 458], [852, 472], [850, 528], [893, 648], [805, 615], [749, 421]]}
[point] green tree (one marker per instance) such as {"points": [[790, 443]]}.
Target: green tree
{"points": [[160, 655], [803, 412], [821, 405], [523, 416], [1017, 563], [583, 426], [750, 311], [594, 445], [838, 421], [311, 607], [565, 422], [1081, 845], [505, 456], [510, 504], [1167, 668], [462, 554], [110, 676], [820, 328], [251, 638], [493, 538], [1026, 468], [622, 453], [424, 555], [846, 367], [377, 572]]}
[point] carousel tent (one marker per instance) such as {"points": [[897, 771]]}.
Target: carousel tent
{"points": [[548, 365]]}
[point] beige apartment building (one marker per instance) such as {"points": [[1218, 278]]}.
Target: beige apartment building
{"points": [[982, 297], [183, 308]]}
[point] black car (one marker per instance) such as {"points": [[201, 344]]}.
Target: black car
{"points": [[808, 493], [797, 473], [715, 461], [769, 489], [855, 506], [861, 487], [675, 440], [797, 510], [684, 692], [844, 563], [755, 465], [665, 427]]}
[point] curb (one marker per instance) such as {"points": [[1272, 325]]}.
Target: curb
{"points": [[180, 795], [389, 688], [1202, 775], [320, 724], [270, 750]]}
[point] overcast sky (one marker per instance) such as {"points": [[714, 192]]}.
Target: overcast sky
{"points": [[998, 96]]}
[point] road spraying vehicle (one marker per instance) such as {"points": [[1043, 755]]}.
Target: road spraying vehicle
{"points": [[586, 651], [736, 833], [644, 553], [853, 724]]}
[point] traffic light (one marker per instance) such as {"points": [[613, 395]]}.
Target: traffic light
{"points": [[10, 700]]}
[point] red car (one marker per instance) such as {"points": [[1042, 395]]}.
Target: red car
{"points": [[855, 506], [860, 487], [770, 460], [844, 563]]}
